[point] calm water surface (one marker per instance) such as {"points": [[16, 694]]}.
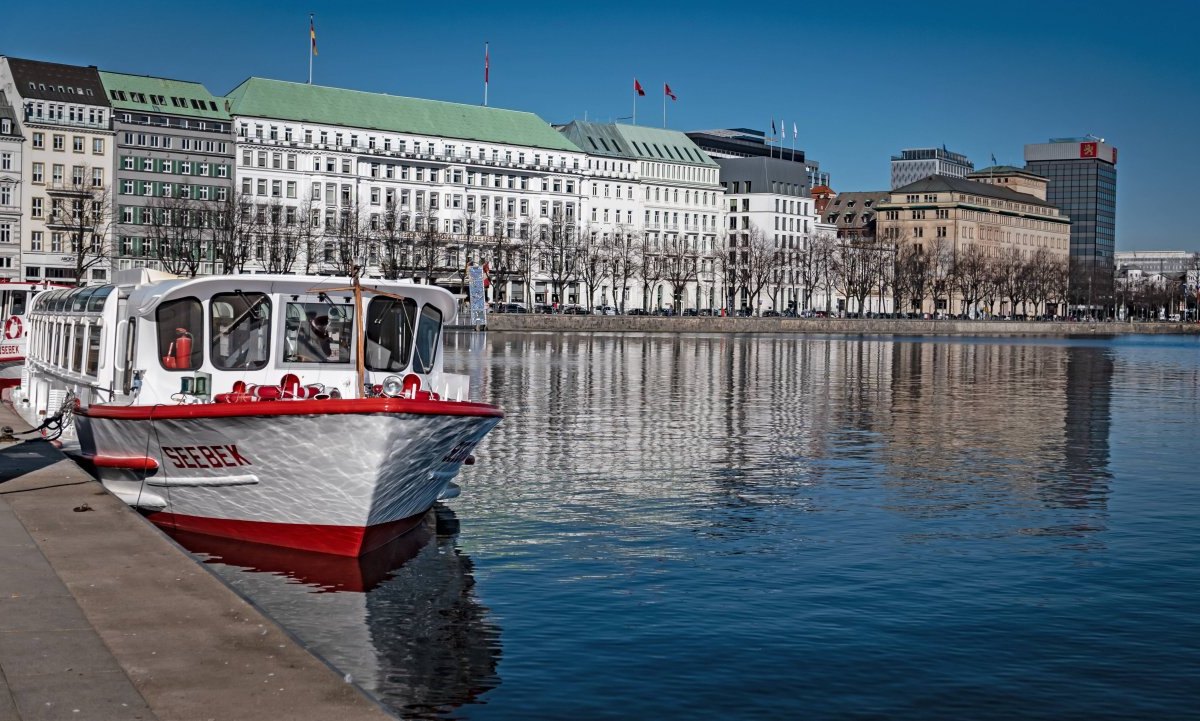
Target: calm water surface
{"points": [[789, 527]]}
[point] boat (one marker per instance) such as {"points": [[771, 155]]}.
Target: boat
{"points": [[307, 412], [14, 302]]}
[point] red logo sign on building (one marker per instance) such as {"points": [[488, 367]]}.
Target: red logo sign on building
{"points": [[1087, 150]]}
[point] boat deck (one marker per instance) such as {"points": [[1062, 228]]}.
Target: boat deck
{"points": [[104, 617]]}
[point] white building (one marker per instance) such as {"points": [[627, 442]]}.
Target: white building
{"points": [[67, 165], [768, 198], [10, 191], [489, 179], [918, 163], [678, 196]]}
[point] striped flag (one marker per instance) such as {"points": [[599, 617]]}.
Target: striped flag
{"points": [[312, 34]]}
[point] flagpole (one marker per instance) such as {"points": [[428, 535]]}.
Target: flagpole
{"points": [[486, 72], [635, 84], [310, 47], [664, 106]]}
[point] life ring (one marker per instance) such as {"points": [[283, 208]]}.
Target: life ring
{"points": [[13, 328]]}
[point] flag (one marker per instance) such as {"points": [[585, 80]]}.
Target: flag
{"points": [[312, 34], [993, 158], [637, 88], [667, 90], [487, 63], [773, 130]]}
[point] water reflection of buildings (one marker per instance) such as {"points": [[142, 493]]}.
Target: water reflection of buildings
{"points": [[641, 425], [983, 422], [403, 622]]}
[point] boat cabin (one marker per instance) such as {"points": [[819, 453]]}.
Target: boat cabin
{"points": [[151, 339]]}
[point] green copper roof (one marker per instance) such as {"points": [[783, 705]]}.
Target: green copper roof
{"points": [[638, 142], [259, 97], [160, 95]]}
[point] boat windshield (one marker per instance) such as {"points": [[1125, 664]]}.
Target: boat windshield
{"points": [[241, 330], [318, 333], [429, 332], [390, 324]]}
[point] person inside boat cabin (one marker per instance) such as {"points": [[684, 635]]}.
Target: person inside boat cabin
{"points": [[317, 340]]}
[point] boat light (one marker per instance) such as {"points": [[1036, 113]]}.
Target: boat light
{"points": [[393, 386]]}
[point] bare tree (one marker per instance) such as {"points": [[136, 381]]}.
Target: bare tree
{"points": [[805, 269], [394, 244], [680, 268], [276, 233], [970, 276], [595, 258], [429, 244], [758, 260], [823, 255], [559, 249], [83, 214], [353, 242], [941, 271], [913, 275], [623, 262], [175, 228], [231, 231], [855, 270], [650, 269]]}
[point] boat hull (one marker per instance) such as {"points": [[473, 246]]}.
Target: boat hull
{"points": [[345, 478]]}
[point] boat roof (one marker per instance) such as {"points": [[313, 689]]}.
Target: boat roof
{"points": [[144, 298]]}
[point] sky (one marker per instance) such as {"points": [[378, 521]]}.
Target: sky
{"points": [[861, 80]]}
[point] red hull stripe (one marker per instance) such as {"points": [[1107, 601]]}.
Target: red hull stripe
{"points": [[352, 406], [132, 463], [9, 382], [336, 540]]}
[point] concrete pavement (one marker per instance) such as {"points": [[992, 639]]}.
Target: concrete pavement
{"points": [[103, 617]]}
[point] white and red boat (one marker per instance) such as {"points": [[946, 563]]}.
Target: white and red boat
{"points": [[305, 412], [15, 297]]}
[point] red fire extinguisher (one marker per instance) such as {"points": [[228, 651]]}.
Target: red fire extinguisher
{"points": [[179, 354]]}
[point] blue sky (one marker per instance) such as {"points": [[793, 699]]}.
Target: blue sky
{"points": [[862, 80]]}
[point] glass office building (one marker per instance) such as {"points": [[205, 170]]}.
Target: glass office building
{"points": [[1083, 185]]}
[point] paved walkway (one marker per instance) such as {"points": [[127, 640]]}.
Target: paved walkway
{"points": [[103, 617]]}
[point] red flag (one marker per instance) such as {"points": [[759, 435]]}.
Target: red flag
{"points": [[637, 87], [487, 64], [667, 90]]}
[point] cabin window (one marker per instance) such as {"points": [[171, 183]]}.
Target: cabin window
{"points": [[318, 333], [180, 328], [93, 351], [77, 348], [429, 330], [130, 353], [95, 303], [18, 303], [390, 325], [240, 331]]}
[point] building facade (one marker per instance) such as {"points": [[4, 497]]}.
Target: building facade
{"points": [[768, 197], [11, 146], [1082, 173], [970, 229], [402, 186], [917, 163], [67, 166], [173, 172]]}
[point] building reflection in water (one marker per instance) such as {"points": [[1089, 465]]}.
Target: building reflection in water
{"points": [[403, 621], [629, 426]]}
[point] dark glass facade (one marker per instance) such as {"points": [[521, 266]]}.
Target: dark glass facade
{"points": [[1086, 191]]}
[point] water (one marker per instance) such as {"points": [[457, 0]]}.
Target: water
{"points": [[762, 526]]}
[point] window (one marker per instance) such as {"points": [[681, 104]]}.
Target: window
{"points": [[97, 146], [39, 172], [35, 208], [180, 327], [390, 324], [318, 333], [77, 143], [39, 140], [241, 330], [60, 142], [429, 330]]}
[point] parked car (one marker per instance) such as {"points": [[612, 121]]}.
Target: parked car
{"points": [[770, 314], [574, 310], [605, 310], [636, 311], [511, 308], [543, 308]]}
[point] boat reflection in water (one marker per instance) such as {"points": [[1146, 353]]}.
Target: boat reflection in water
{"points": [[402, 621]]}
